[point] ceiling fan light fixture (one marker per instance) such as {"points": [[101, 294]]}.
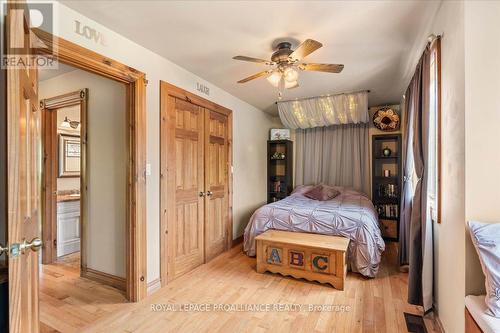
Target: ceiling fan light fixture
{"points": [[274, 78], [291, 74], [287, 63], [290, 85]]}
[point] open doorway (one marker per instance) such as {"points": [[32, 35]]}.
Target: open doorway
{"points": [[62, 130], [84, 197], [24, 167]]}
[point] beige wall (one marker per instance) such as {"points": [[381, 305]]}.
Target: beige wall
{"points": [[482, 120], [250, 131], [250, 134], [449, 246], [449, 236], [106, 166]]}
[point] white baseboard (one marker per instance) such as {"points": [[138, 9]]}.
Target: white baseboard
{"points": [[153, 286], [67, 247]]}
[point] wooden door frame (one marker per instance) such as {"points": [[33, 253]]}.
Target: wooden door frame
{"points": [[177, 92], [135, 81], [50, 145]]}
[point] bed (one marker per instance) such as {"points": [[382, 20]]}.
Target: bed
{"points": [[350, 214], [476, 318]]}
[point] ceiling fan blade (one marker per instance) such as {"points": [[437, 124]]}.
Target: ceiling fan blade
{"points": [[307, 47], [330, 68], [250, 59], [255, 76]]}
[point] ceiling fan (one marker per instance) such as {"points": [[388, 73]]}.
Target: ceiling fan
{"points": [[287, 62]]}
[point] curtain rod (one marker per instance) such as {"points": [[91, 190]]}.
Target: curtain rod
{"points": [[327, 95]]}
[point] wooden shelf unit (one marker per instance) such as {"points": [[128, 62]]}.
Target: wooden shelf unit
{"points": [[386, 191], [279, 171]]}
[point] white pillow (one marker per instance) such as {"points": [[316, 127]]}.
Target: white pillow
{"points": [[486, 239]]}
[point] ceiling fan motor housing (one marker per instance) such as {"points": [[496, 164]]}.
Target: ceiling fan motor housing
{"points": [[282, 53]]}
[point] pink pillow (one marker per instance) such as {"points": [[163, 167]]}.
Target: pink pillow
{"points": [[322, 193], [301, 189]]}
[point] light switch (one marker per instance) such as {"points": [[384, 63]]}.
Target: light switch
{"points": [[148, 169]]}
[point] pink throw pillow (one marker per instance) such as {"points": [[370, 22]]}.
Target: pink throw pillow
{"points": [[301, 189], [322, 193]]}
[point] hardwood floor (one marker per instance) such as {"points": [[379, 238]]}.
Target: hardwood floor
{"points": [[68, 302], [376, 305]]}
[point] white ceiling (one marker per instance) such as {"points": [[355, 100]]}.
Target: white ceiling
{"points": [[371, 38]]}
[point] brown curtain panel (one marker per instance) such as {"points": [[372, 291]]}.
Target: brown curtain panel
{"points": [[334, 155], [420, 282], [408, 169]]}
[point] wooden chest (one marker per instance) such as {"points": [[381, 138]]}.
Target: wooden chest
{"points": [[313, 257]]}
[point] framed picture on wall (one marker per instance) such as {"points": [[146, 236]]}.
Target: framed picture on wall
{"points": [[280, 134], [69, 155]]}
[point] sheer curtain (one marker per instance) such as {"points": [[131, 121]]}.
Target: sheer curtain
{"points": [[325, 110], [335, 155]]}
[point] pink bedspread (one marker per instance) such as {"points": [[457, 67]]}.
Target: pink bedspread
{"points": [[351, 214]]}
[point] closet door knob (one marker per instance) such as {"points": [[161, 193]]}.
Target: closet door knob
{"points": [[209, 193], [34, 245], [201, 194]]}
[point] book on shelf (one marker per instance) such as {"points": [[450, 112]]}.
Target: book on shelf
{"points": [[390, 211], [390, 191]]}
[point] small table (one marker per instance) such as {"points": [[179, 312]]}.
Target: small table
{"points": [[313, 257]]}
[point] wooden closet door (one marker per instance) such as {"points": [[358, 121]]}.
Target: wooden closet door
{"points": [[216, 183], [185, 183]]}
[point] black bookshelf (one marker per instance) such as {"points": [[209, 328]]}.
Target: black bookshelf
{"points": [[386, 188], [279, 169]]}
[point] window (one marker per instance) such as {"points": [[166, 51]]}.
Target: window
{"points": [[434, 165]]}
